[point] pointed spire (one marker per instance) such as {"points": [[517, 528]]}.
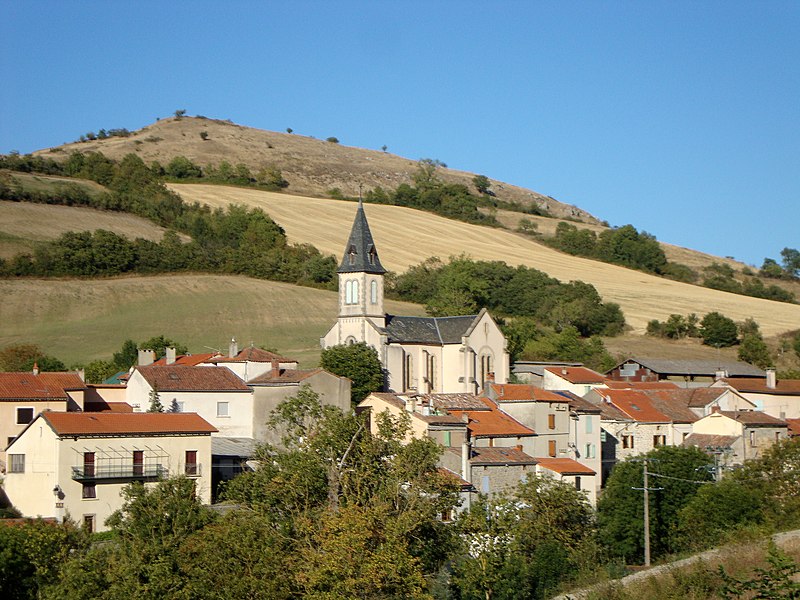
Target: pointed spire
{"points": [[360, 253]]}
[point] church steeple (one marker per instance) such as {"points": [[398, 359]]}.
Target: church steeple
{"points": [[360, 253]]}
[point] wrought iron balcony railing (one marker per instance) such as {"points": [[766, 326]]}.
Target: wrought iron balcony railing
{"points": [[95, 472]]}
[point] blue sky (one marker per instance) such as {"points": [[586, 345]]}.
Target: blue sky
{"points": [[682, 118]]}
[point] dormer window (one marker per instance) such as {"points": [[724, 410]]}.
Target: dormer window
{"points": [[372, 255], [351, 253]]}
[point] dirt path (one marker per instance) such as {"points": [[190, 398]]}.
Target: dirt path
{"points": [[779, 538]]}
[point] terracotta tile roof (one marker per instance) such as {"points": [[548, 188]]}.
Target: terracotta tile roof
{"points": [[492, 422], [453, 401], [452, 475], [102, 406], [253, 354], [691, 397], [499, 456], [640, 385], [753, 417], [564, 466], [577, 374], [108, 423], [187, 360], [285, 376], [707, 440], [783, 387], [192, 379], [677, 410], [578, 404], [519, 392], [441, 419], [392, 399], [44, 386], [794, 426], [635, 405]]}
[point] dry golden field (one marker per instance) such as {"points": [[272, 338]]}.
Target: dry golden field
{"points": [[22, 224], [82, 320], [406, 237]]}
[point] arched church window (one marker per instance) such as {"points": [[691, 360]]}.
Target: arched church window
{"points": [[348, 292], [355, 292], [350, 341], [373, 292], [409, 373], [486, 367]]}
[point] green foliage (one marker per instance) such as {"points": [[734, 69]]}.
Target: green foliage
{"points": [[159, 345], [22, 357], [127, 356], [98, 371], [332, 140], [675, 327], [522, 545], [771, 269], [791, 261], [620, 511], [753, 350], [204, 135], [359, 363], [679, 272], [180, 113], [31, 553], [463, 286], [778, 580], [155, 402], [181, 167], [718, 330], [482, 184], [527, 227]]}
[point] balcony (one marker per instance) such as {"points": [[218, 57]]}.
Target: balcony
{"points": [[127, 472]]}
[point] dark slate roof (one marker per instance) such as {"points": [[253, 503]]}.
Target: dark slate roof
{"points": [[428, 330], [695, 367], [360, 253]]}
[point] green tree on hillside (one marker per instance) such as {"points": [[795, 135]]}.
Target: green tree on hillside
{"points": [[718, 330], [359, 363]]}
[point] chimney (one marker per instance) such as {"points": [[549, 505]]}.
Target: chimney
{"points": [[171, 356], [276, 369], [490, 377], [563, 370], [720, 374], [411, 404], [35, 368], [146, 357], [715, 409], [233, 348], [466, 453], [82, 374], [771, 379], [519, 447]]}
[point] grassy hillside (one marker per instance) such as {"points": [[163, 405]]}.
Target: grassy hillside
{"points": [[311, 166], [405, 237], [79, 321]]}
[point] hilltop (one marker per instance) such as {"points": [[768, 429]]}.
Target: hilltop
{"points": [[312, 167]]}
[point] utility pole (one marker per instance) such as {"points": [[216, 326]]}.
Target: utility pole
{"points": [[646, 515]]}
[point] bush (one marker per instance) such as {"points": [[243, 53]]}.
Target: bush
{"points": [[718, 330]]}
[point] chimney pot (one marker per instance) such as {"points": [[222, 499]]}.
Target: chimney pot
{"points": [[146, 357], [233, 348], [772, 381], [35, 368], [276, 368], [563, 370]]}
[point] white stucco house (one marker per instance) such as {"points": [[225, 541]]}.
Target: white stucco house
{"points": [[419, 354], [73, 464]]}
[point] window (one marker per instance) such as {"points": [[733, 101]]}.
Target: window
{"points": [[551, 448], [753, 438], [373, 292], [351, 292], [777, 436], [603, 436], [17, 463], [551, 421], [138, 463], [578, 483], [191, 462], [659, 440], [590, 451], [88, 464], [627, 441], [222, 409], [447, 440], [24, 416], [88, 523], [485, 484], [409, 372], [89, 491], [10, 440], [588, 424], [486, 367]]}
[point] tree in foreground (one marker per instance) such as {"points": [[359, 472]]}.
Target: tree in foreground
{"points": [[359, 363]]}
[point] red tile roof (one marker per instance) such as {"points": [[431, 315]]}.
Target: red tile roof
{"points": [[783, 387], [285, 376], [108, 423], [44, 386], [564, 466], [492, 422], [497, 456], [692, 397], [103, 406], [187, 360], [455, 401], [753, 417], [635, 405], [577, 374], [640, 385], [519, 392], [794, 426], [253, 354], [192, 379]]}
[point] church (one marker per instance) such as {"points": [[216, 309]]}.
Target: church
{"points": [[419, 354]]}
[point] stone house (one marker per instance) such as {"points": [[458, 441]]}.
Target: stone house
{"points": [[749, 433], [72, 464], [419, 354]]}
